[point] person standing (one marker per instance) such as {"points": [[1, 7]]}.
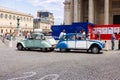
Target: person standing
{"points": [[62, 33], [98, 35], [113, 41], [119, 44]]}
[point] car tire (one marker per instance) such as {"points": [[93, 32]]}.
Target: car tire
{"points": [[51, 49], [44, 50], [95, 50], [62, 50], [20, 47], [68, 50]]}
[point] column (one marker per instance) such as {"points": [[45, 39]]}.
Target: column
{"points": [[91, 11], [106, 12], [76, 10], [80, 10], [67, 13]]}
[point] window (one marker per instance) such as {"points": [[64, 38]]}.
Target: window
{"points": [[13, 17], [72, 37], [27, 19], [1, 15], [30, 19], [6, 16], [9, 16], [24, 19], [21, 18], [1, 30]]}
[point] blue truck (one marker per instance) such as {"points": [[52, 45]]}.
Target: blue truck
{"points": [[74, 28]]}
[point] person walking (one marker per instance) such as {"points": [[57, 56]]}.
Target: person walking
{"points": [[113, 41]]}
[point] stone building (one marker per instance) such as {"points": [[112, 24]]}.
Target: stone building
{"points": [[10, 19], [44, 21], [94, 11]]}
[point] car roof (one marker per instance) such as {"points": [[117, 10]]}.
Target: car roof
{"points": [[69, 34]]}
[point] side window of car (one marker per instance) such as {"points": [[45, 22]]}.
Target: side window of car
{"points": [[64, 37], [42, 37], [71, 38], [80, 37]]}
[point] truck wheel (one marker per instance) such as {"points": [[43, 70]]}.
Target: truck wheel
{"points": [[20, 47], [95, 50], [62, 50]]}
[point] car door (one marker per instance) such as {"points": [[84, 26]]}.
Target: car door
{"points": [[37, 41], [30, 42], [71, 41], [81, 42]]}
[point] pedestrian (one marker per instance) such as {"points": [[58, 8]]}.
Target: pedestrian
{"points": [[119, 44], [25, 35], [113, 41], [98, 35], [28, 35], [62, 34]]}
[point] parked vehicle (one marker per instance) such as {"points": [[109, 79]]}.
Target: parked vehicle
{"points": [[79, 42], [37, 41]]}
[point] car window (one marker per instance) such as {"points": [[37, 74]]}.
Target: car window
{"points": [[80, 37], [72, 37], [33, 36], [64, 37], [42, 37]]}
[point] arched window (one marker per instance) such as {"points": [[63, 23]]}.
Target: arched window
{"points": [[27, 19], [1, 30], [24, 19], [30, 19], [6, 16], [10, 31], [6, 30], [10, 16], [1, 15], [21, 18], [13, 17]]}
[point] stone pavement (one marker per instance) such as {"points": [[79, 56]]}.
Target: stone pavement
{"points": [[108, 45]]}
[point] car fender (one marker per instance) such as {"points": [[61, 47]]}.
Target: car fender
{"points": [[96, 44], [45, 44], [62, 44], [21, 43]]}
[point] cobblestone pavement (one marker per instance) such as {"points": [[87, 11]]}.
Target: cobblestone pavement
{"points": [[74, 65]]}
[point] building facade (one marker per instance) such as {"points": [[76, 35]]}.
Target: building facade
{"points": [[94, 11], [44, 21], [12, 20]]}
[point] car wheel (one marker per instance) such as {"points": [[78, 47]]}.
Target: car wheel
{"points": [[44, 49], [20, 47], [51, 49], [62, 50], [68, 50], [95, 50]]}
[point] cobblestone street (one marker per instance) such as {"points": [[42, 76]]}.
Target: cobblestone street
{"points": [[74, 65]]}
